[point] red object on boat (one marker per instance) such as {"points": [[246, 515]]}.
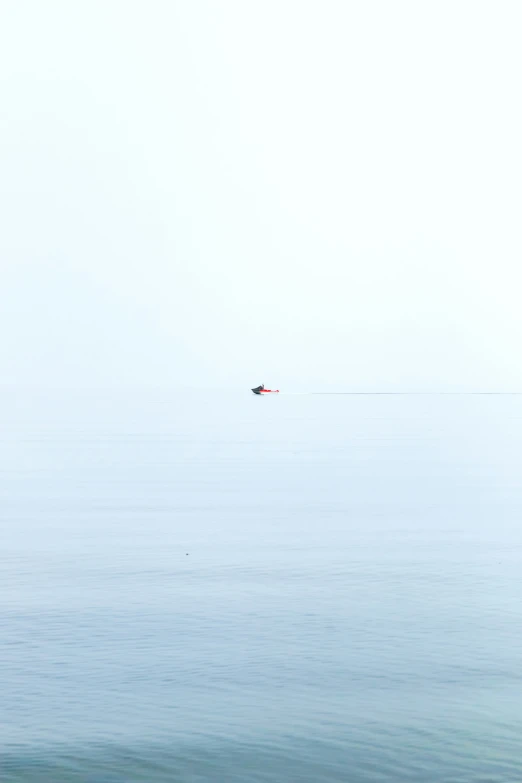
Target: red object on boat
{"points": [[261, 390]]}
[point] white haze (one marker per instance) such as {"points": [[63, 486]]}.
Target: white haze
{"points": [[313, 195]]}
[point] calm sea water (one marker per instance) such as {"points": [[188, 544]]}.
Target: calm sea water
{"points": [[231, 588]]}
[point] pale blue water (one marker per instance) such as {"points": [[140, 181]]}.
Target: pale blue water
{"points": [[202, 588]]}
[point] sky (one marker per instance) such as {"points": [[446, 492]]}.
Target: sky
{"points": [[311, 195]]}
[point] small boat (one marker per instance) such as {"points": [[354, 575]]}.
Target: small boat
{"points": [[261, 390]]}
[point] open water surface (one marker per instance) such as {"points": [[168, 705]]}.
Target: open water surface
{"points": [[323, 589]]}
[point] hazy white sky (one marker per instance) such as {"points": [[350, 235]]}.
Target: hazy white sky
{"points": [[288, 192]]}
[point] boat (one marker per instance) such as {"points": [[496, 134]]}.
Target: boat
{"points": [[261, 390]]}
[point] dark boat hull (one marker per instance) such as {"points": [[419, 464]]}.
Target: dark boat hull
{"points": [[262, 390]]}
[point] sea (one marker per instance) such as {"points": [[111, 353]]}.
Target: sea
{"points": [[227, 588]]}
